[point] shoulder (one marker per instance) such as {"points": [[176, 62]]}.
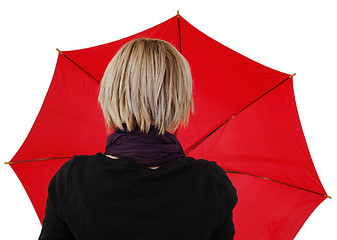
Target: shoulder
{"points": [[211, 166], [223, 186], [69, 172], [74, 166], [221, 183], [207, 164], [77, 161]]}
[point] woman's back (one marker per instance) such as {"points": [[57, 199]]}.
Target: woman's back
{"points": [[98, 197], [145, 93]]}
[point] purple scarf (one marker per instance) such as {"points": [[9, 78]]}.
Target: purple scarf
{"points": [[151, 149]]}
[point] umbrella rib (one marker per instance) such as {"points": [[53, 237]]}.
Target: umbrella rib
{"points": [[193, 146], [179, 31], [176, 131], [62, 53], [227, 171], [231, 171], [38, 159]]}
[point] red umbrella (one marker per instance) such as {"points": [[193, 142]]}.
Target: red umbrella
{"points": [[245, 119]]}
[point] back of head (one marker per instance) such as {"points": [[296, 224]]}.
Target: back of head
{"points": [[148, 82]]}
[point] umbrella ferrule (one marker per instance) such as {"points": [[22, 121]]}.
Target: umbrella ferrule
{"points": [[59, 51]]}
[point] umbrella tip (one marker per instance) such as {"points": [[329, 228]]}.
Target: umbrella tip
{"points": [[7, 162], [59, 51], [327, 196], [178, 14], [292, 75]]}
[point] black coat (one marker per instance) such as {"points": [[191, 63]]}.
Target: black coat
{"points": [[96, 197]]}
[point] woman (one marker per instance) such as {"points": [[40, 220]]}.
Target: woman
{"points": [[143, 187]]}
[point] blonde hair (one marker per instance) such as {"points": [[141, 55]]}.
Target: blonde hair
{"points": [[148, 82]]}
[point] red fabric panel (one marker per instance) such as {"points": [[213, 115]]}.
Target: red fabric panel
{"points": [[70, 120], [96, 59], [225, 82], [268, 210], [265, 139]]}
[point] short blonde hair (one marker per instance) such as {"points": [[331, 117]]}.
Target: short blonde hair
{"points": [[148, 82]]}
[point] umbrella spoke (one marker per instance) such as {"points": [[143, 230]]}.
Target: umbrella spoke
{"points": [[179, 31], [38, 159], [237, 172]]}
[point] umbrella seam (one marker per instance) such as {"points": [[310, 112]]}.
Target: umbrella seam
{"points": [[80, 67]]}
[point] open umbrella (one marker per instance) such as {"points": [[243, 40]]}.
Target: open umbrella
{"points": [[245, 119]]}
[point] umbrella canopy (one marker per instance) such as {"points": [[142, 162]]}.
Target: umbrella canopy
{"points": [[245, 119]]}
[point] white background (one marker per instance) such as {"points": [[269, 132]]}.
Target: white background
{"points": [[289, 36]]}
